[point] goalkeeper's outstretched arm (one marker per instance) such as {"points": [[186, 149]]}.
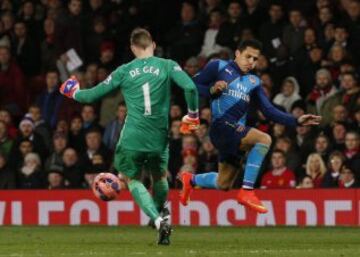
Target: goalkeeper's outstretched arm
{"points": [[190, 122], [71, 88]]}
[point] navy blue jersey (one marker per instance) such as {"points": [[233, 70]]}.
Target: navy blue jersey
{"points": [[244, 91]]}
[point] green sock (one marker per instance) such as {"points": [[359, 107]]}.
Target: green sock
{"points": [[143, 198], [160, 193]]}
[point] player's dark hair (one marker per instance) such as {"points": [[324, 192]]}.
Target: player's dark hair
{"points": [[141, 38], [253, 43]]}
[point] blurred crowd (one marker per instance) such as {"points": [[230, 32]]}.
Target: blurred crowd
{"points": [[310, 63]]}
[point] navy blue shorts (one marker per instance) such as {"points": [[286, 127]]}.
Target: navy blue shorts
{"points": [[226, 137]]}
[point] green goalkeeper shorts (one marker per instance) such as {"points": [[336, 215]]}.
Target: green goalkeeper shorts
{"points": [[131, 163]]}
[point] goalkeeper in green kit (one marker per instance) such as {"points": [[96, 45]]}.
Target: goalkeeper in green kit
{"points": [[145, 84]]}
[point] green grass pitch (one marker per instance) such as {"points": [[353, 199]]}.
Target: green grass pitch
{"points": [[186, 241]]}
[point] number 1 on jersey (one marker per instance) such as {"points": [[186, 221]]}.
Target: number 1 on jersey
{"points": [[147, 102]]}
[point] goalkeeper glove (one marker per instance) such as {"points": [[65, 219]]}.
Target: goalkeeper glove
{"points": [[70, 87], [190, 123]]}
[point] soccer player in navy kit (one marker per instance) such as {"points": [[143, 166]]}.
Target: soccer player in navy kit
{"points": [[233, 90]]}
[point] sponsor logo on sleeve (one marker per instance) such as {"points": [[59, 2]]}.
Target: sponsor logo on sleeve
{"points": [[252, 79], [107, 80], [177, 68]]}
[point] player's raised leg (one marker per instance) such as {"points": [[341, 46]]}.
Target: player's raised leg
{"points": [[260, 145], [222, 180]]}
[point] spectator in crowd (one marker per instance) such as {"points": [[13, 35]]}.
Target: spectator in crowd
{"points": [[255, 15], [347, 96], [300, 56], [13, 93], [306, 183], [47, 47], [289, 93], [27, 13], [40, 126], [202, 132], [298, 108], [26, 50], [229, 31], [69, 30], [210, 46], [55, 178], [304, 142], [320, 95], [50, 100], [192, 66], [347, 178], [339, 115], [205, 114], [293, 34], [59, 144], [89, 117], [7, 176], [97, 35], [4, 38], [337, 55], [208, 158], [341, 37], [352, 151], [18, 153], [26, 131], [279, 176], [278, 130], [285, 145], [77, 134], [175, 112], [30, 175], [113, 129], [325, 16], [8, 20], [90, 75], [72, 172], [331, 177], [308, 70], [5, 117], [186, 38], [351, 20], [323, 147], [338, 133], [271, 30], [107, 56], [97, 165], [94, 146], [315, 168], [5, 142], [62, 126]]}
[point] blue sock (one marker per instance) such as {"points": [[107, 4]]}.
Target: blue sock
{"points": [[206, 180], [255, 159]]}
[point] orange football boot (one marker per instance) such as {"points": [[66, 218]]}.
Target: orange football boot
{"points": [[249, 199], [187, 187]]}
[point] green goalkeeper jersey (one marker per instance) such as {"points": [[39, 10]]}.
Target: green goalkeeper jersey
{"points": [[145, 85]]}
